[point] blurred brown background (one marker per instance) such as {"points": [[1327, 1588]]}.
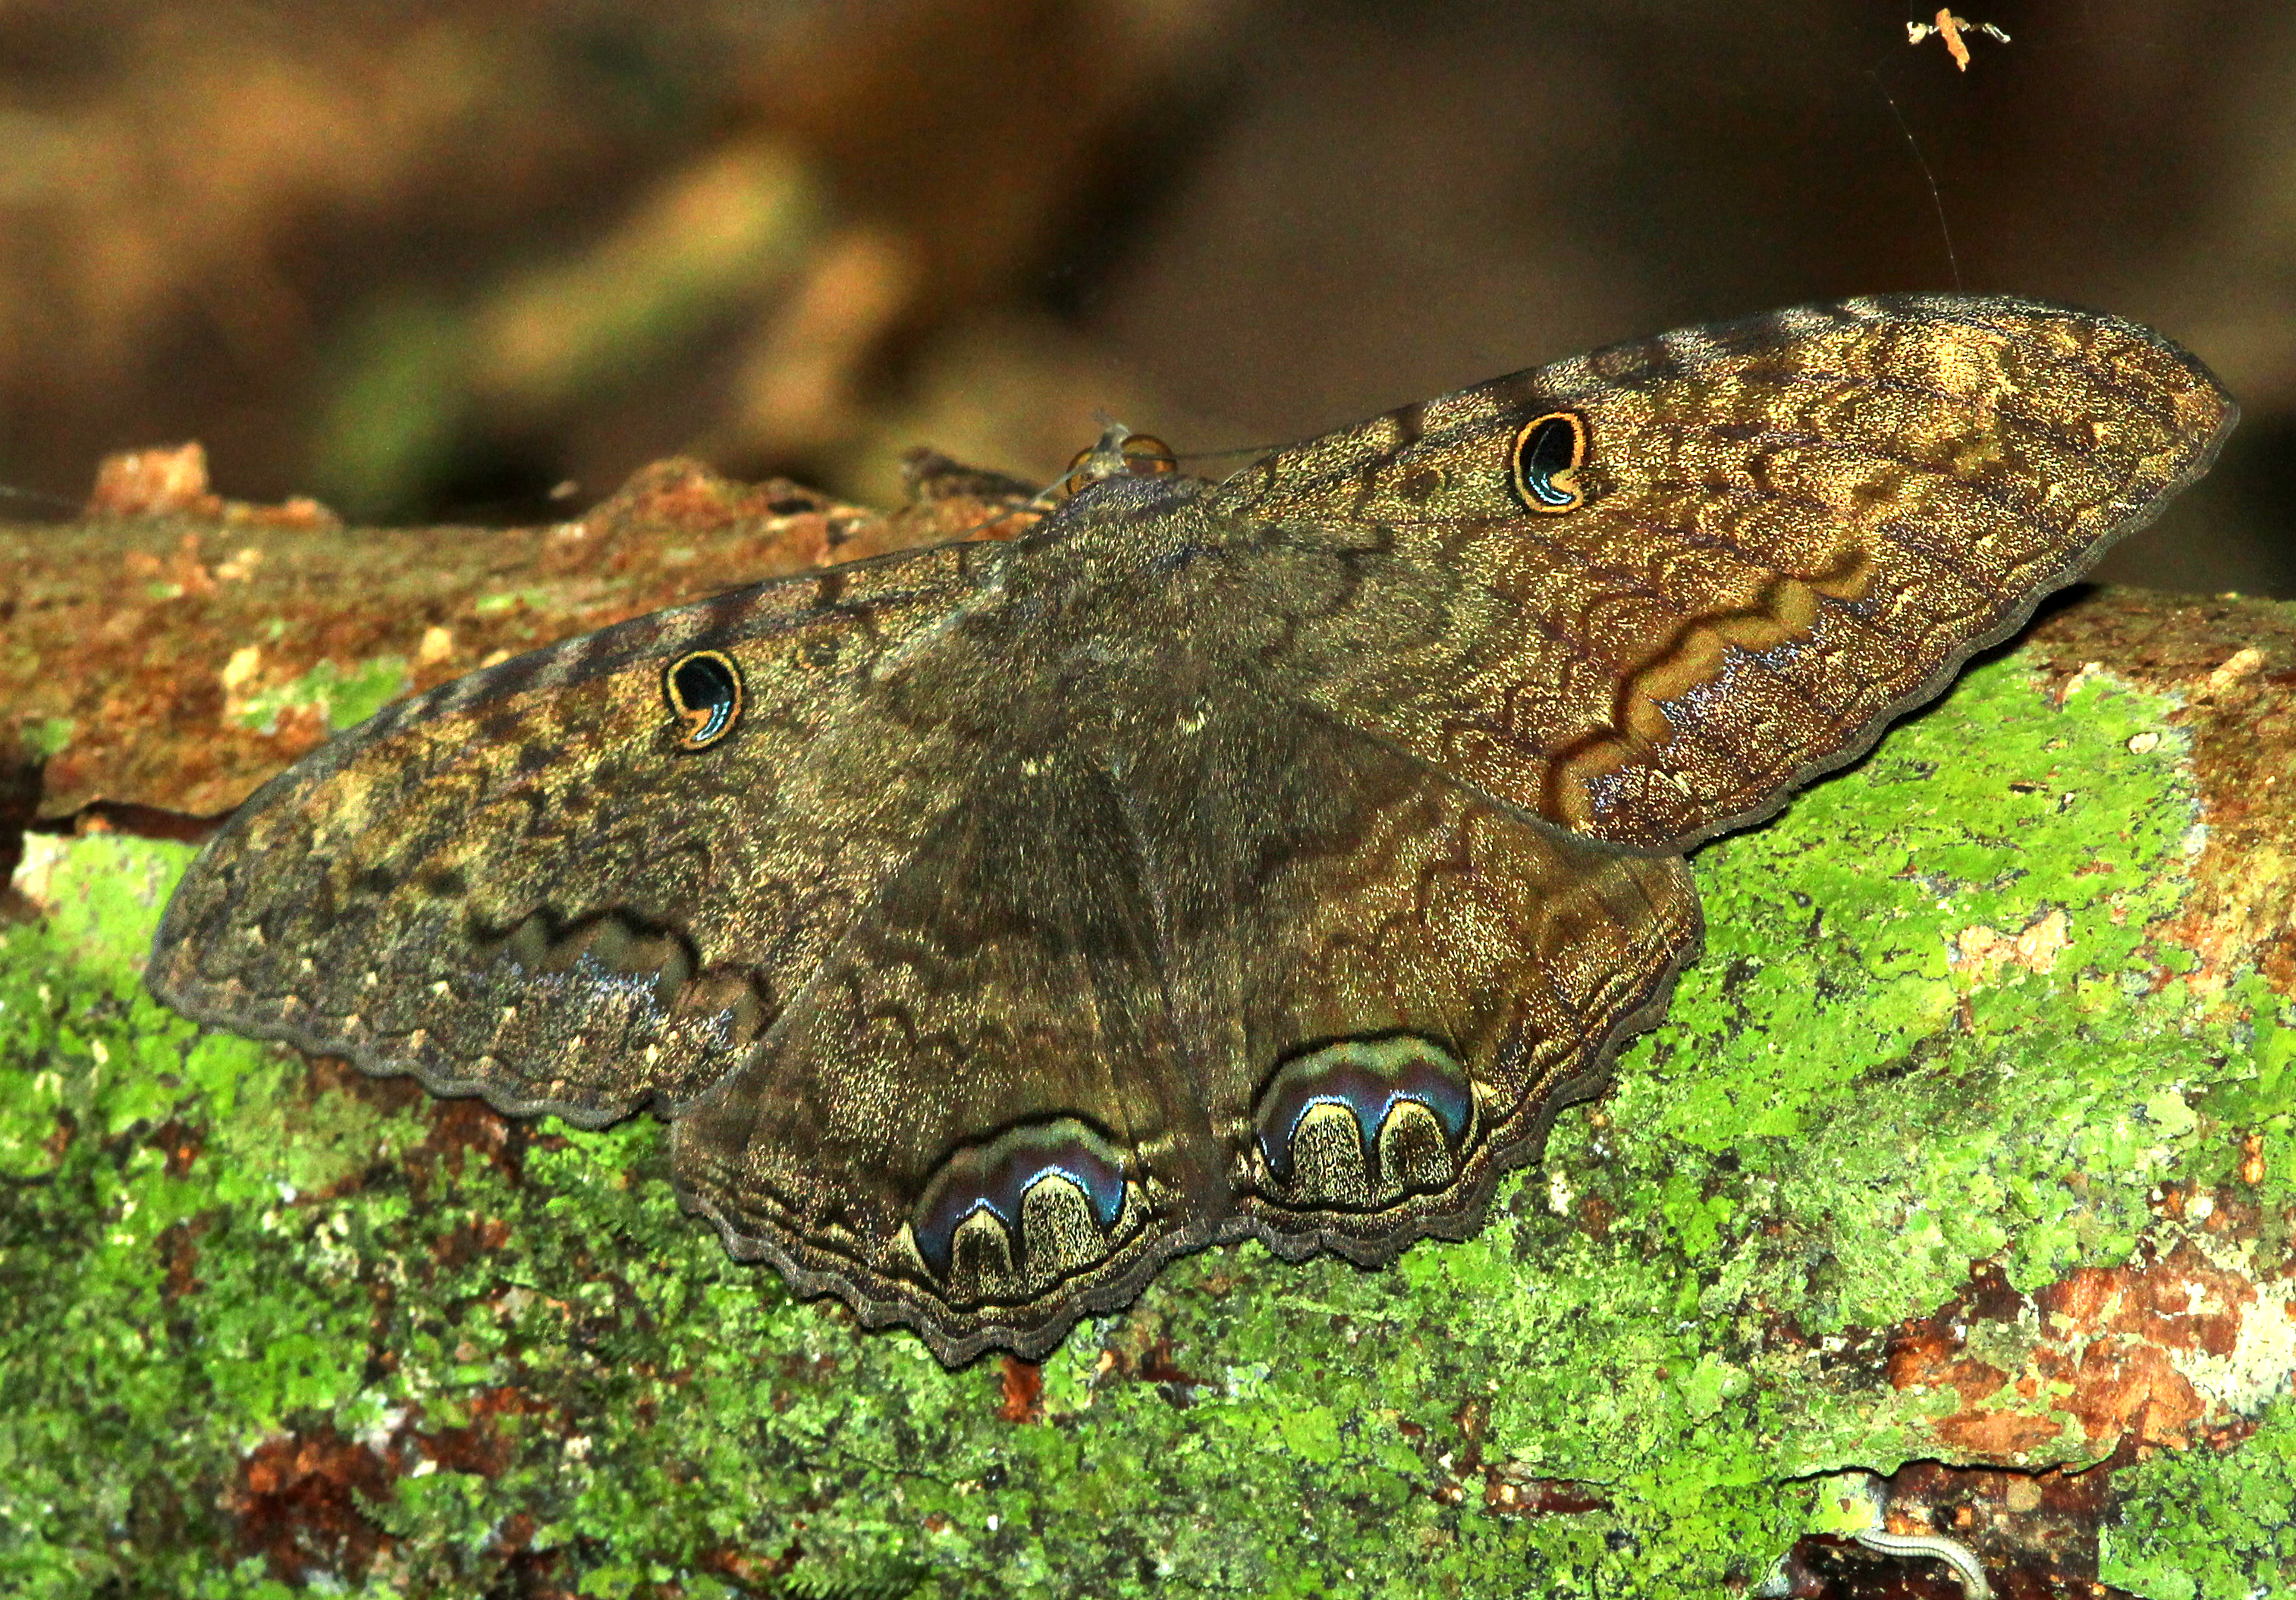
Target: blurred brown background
{"points": [[477, 259]]}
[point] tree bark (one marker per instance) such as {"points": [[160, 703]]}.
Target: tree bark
{"points": [[1968, 1145]]}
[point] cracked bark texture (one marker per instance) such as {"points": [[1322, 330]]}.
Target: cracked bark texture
{"points": [[1965, 1156]]}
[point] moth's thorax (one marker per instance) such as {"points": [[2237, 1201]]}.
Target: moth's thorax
{"points": [[1134, 588], [1116, 518]]}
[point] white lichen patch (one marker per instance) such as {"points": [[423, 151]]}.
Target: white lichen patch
{"points": [[2262, 1362], [1559, 1197], [36, 873]]}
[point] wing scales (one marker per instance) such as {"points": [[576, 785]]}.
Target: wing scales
{"points": [[1793, 529], [1272, 860], [517, 887]]}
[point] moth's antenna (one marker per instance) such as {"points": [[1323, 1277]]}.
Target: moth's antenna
{"points": [[1234, 450], [1937, 200], [1250, 452]]}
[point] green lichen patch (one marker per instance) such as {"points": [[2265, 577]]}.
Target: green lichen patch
{"points": [[276, 1322], [2207, 1526], [343, 697], [511, 599], [1844, 1110], [45, 737], [1861, 1038]]}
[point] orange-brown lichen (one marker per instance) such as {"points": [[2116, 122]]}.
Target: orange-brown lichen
{"points": [[2137, 1355]]}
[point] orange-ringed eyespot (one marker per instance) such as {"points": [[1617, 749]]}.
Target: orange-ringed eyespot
{"points": [[704, 691], [1544, 464]]}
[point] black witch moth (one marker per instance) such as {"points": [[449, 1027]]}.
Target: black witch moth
{"points": [[1271, 857]]}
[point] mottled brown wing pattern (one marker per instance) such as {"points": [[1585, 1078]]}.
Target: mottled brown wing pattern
{"points": [[519, 884], [1451, 977], [1271, 859], [1788, 530], [1273, 980]]}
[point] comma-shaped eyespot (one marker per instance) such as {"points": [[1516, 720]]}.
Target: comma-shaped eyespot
{"points": [[704, 691], [1359, 1124], [1543, 461], [1004, 1219]]}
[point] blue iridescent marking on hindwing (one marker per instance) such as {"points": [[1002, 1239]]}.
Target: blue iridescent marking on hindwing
{"points": [[998, 1177], [1369, 1078]]}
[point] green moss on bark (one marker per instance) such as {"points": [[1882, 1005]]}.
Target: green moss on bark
{"points": [[271, 1320], [2205, 1526]]}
